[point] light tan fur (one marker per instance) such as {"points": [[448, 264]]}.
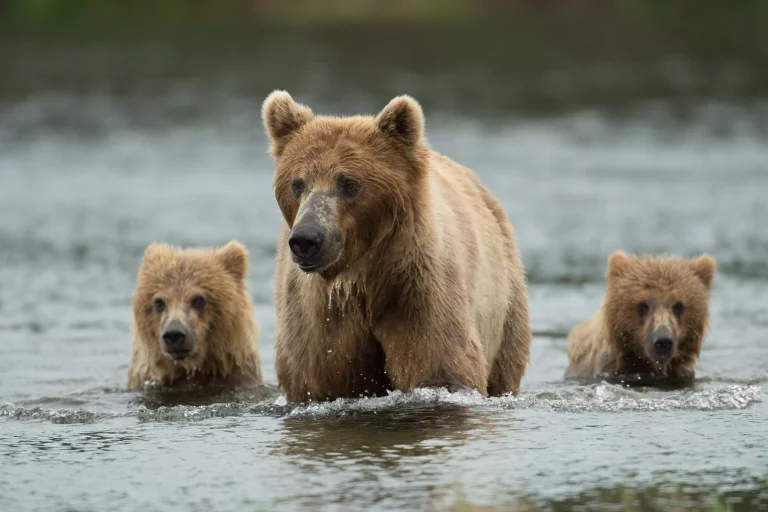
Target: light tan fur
{"points": [[226, 352], [428, 287], [613, 340]]}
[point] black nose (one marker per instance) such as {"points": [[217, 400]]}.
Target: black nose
{"points": [[305, 242], [664, 344], [174, 338]]}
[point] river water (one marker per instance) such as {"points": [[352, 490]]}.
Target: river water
{"points": [[106, 149]]}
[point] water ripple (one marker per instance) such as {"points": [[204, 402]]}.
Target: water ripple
{"points": [[613, 398], [59, 416], [602, 397]]}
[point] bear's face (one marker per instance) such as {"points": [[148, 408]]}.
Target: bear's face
{"points": [[658, 308], [183, 295], [341, 183]]}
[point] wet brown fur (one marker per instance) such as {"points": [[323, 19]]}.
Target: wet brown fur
{"points": [[612, 340], [227, 351], [430, 286]]}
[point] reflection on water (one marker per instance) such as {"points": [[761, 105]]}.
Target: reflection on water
{"points": [[385, 439], [156, 398]]}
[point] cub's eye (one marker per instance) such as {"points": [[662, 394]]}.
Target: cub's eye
{"points": [[159, 305], [678, 309], [198, 302], [642, 309], [297, 187], [349, 187]]}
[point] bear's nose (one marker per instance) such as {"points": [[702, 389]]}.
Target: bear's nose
{"points": [[305, 242], [174, 338], [663, 344]]}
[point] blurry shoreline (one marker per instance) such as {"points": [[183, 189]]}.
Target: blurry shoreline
{"points": [[110, 17]]}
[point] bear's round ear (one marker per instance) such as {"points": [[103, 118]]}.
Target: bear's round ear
{"points": [[234, 257], [403, 120], [617, 263], [282, 117], [155, 251], [704, 268]]}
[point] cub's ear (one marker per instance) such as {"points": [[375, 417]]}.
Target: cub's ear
{"points": [[234, 257], [704, 268], [403, 120], [617, 264], [156, 251], [282, 117]]}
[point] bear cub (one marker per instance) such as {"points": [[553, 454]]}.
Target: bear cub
{"points": [[193, 320], [653, 320]]}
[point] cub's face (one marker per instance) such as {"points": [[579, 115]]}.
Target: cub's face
{"points": [[182, 295], [341, 182], [659, 307], [180, 320]]}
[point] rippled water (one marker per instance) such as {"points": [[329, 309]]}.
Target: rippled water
{"points": [[90, 176]]}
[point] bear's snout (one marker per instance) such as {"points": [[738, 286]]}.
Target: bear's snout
{"points": [[176, 341], [305, 243], [662, 345]]}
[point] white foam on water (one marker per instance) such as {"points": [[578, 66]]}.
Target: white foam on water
{"points": [[602, 397], [606, 397], [59, 416]]}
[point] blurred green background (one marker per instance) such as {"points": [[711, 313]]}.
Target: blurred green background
{"points": [[61, 13], [485, 57]]}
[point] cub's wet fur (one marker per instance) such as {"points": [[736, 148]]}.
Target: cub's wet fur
{"points": [[653, 321], [193, 319]]}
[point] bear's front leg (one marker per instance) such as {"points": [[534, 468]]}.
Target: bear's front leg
{"points": [[426, 352]]}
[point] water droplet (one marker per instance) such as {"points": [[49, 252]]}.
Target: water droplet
{"points": [[330, 351], [308, 278]]}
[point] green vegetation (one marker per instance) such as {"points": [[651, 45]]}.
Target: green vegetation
{"points": [[46, 14]]}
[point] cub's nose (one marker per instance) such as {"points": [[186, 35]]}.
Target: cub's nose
{"points": [[663, 344], [174, 338], [305, 242]]}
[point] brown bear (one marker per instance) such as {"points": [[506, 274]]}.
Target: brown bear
{"points": [[653, 320], [395, 268], [193, 320]]}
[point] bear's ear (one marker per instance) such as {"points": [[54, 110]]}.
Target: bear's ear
{"points": [[155, 251], [704, 268], [282, 117], [617, 264], [403, 120], [234, 257]]}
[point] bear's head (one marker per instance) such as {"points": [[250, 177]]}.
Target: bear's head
{"points": [[343, 184], [657, 308], [186, 298]]}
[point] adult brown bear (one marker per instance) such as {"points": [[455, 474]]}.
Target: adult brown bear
{"points": [[396, 268]]}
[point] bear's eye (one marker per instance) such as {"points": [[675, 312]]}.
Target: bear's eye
{"points": [[297, 187], [678, 309], [198, 302], [159, 305], [349, 187], [642, 309]]}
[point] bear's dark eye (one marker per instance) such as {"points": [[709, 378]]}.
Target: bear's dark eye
{"points": [[678, 309], [198, 302], [349, 187], [159, 305], [297, 187], [642, 309]]}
